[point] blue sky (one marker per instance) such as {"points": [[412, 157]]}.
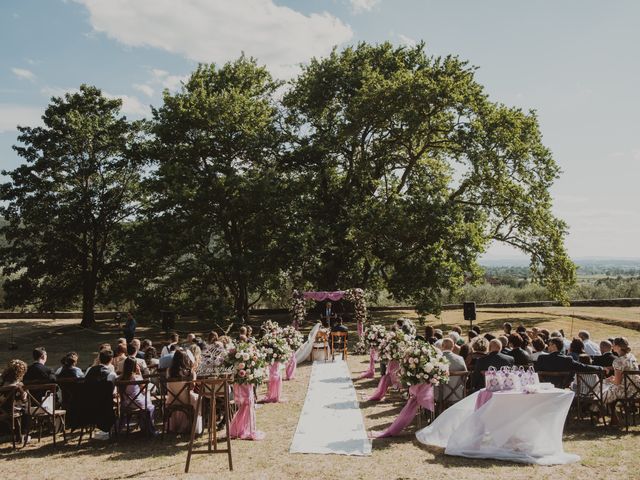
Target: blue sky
{"points": [[575, 62]]}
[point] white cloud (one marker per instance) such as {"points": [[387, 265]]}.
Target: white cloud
{"points": [[219, 30], [24, 73], [131, 105], [144, 88], [360, 6], [172, 82], [13, 115], [408, 41]]}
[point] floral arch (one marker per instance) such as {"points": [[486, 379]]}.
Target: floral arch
{"points": [[353, 295]]}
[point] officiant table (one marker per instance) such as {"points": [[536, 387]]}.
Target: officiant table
{"points": [[508, 425]]}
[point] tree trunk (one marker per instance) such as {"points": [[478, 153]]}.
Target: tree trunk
{"points": [[88, 303], [242, 302]]}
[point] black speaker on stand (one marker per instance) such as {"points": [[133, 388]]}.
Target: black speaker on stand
{"points": [[469, 309]]}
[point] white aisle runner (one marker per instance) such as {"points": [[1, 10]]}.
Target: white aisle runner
{"points": [[331, 421]]}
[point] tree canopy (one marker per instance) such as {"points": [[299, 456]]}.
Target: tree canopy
{"points": [[378, 167]]}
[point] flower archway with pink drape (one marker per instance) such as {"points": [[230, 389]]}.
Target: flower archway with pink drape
{"points": [[353, 295]]}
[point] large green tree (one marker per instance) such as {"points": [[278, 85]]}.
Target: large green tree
{"points": [[220, 195], [66, 205], [413, 170]]}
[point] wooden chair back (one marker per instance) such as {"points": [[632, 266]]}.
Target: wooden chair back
{"points": [[559, 379], [631, 400], [177, 398], [10, 414], [590, 392], [447, 395], [341, 339], [41, 400]]}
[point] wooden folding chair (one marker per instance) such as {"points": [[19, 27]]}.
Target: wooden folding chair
{"points": [[210, 389], [41, 401], [631, 401], [177, 399], [321, 342], [132, 405], [339, 338], [10, 412], [559, 379], [589, 391]]}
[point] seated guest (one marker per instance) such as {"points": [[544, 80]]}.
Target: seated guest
{"points": [[505, 344], [429, 335], [472, 334], [242, 334], [587, 382], [131, 398], [101, 347], [495, 359], [576, 349], [119, 357], [555, 361], [146, 343], [544, 334], [624, 361], [338, 327], [520, 356], [151, 357], [250, 336], [12, 376], [136, 343], [538, 349], [174, 338], [506, 328], [37, 371], [488, 337], [212, 338], [132, 352], [456, 364], [590, 347], [479, 348], [566, 343], [104, 371], [606, 358], [521, 330], [69, 368], [165, 360], [437, 333], [196, 356], [476, 328], [181, 369], [455, 336]]}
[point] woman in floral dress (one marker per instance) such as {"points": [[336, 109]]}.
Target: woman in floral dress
{"points": [[624, 362]]}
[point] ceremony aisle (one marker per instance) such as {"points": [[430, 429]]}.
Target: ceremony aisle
{"points": [[331, 420]]}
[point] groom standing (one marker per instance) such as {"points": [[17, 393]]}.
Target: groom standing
{"points": [[327, 315]]}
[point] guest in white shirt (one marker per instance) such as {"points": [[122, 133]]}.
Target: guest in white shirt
{"points": [[591, 348], [173, 340]]}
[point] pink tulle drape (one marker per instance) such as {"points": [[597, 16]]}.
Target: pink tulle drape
{"points": [[388, 379], [274, 389], [419, 396], [292, 364], [483, 397], [243, 423], [320, 296], [371, 371]]}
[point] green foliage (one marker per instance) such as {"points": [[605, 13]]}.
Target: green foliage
{"points": [[66, 204], [412, 171], [220, 195]]}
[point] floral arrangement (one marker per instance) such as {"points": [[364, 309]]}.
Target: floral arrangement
{"points": [[374, 335], [422, 363], [275, 348], [298, 309], [360, 348], [270, 327], [356, 296], [247, 363], [394, 344], [408, 326], [293, 337]]}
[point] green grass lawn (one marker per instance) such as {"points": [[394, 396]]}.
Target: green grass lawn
{"points": [[603, 449]]}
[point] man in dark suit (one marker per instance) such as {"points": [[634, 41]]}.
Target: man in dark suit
{"points": [[37, 371], [520, 356], [606, 358], [557, 362], [494, 359]]}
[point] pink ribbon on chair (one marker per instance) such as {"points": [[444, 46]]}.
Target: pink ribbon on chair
{"points": [[274, 389], [388, 379], [243, 423], [292, 364], [419, 396], [371, 371], [483, 397]]}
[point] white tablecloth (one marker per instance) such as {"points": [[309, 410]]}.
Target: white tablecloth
{"points": [[511, 426]]}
